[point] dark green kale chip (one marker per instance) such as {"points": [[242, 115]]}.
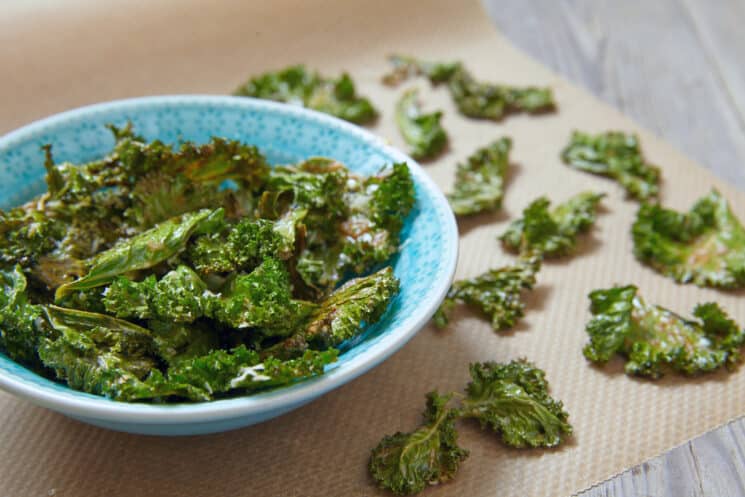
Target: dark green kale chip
{"points": [[512, 399], [616, 155], [496, 293], [179, 296], [473, 98], [479, 182], [421, 131], [509, 399], [552, 232], [704, 246], [21, 323], [299, 86], [405, 463], [262, 299], [221, 372], [653, 339], [482, 100], [340, 317], [144, 250]]}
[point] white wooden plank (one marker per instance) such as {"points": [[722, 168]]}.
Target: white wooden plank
{"points": [[647, 59]]}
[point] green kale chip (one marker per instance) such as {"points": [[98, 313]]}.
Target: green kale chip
{"points": [[653, 338], [351, 224], [379, 206], [342, 314], [27, 234], [175, 342], [144, 250], [21, 323], [405, 463], [705, 246], [220, 372], [492, 101], [262, 299], [496, 293], [616, 155], [479, 182], [473, 98], [317, 186], [512, 399], [94, 352], [422, 132], [296, 85], [552, 233], [246, 244], [405, 67], [179, 296]]}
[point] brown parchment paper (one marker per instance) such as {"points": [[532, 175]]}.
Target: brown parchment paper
{"points": [[59, 55]]}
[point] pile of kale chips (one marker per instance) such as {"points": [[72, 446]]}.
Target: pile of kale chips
{"points": [[163, 273]]}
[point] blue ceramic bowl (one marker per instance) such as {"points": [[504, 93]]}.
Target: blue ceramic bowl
{"points": [[284, 134]]}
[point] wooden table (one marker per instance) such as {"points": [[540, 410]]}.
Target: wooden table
{"points": [[675, 66]]}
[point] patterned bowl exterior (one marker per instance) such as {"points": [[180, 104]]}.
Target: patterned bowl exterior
{"points": [[284, 133]]}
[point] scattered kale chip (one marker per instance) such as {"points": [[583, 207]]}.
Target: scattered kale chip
{"points": [[406, 463], [497, 294], [552, 232], [704, 246], [616, 155], [479, 182], [297, 85], [475, 99], [421, 131], [510, 399], [653, 339]]}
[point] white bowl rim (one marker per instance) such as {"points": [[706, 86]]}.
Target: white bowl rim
{"points": [[101, 408]]}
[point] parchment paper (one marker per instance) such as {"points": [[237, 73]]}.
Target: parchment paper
{"points": [[59, 55]]}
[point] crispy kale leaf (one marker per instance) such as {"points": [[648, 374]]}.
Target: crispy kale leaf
{"points": [[552, 233], [492, 101], [297, 85], [21, 323], [616, 155], [175, 342], [144, 250], [221, 372], [479, 182], [179, 296], [705, 246], [379, 205], [246, 244], [421, 131], [406, 463], [94, 352], [342, 314], [405, 67], [351, 223], [262, 299], [652, 338], [495, 293], [192, 178], [512, 399], [473, 98]]}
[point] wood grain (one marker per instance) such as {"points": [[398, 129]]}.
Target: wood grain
{"points": [[672, 65], [675, 67]]}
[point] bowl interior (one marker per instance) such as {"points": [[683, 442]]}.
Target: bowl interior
{"points": [[284, 134]]}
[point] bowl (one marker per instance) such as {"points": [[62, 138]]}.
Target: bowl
{"points": [[284, 133]]}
